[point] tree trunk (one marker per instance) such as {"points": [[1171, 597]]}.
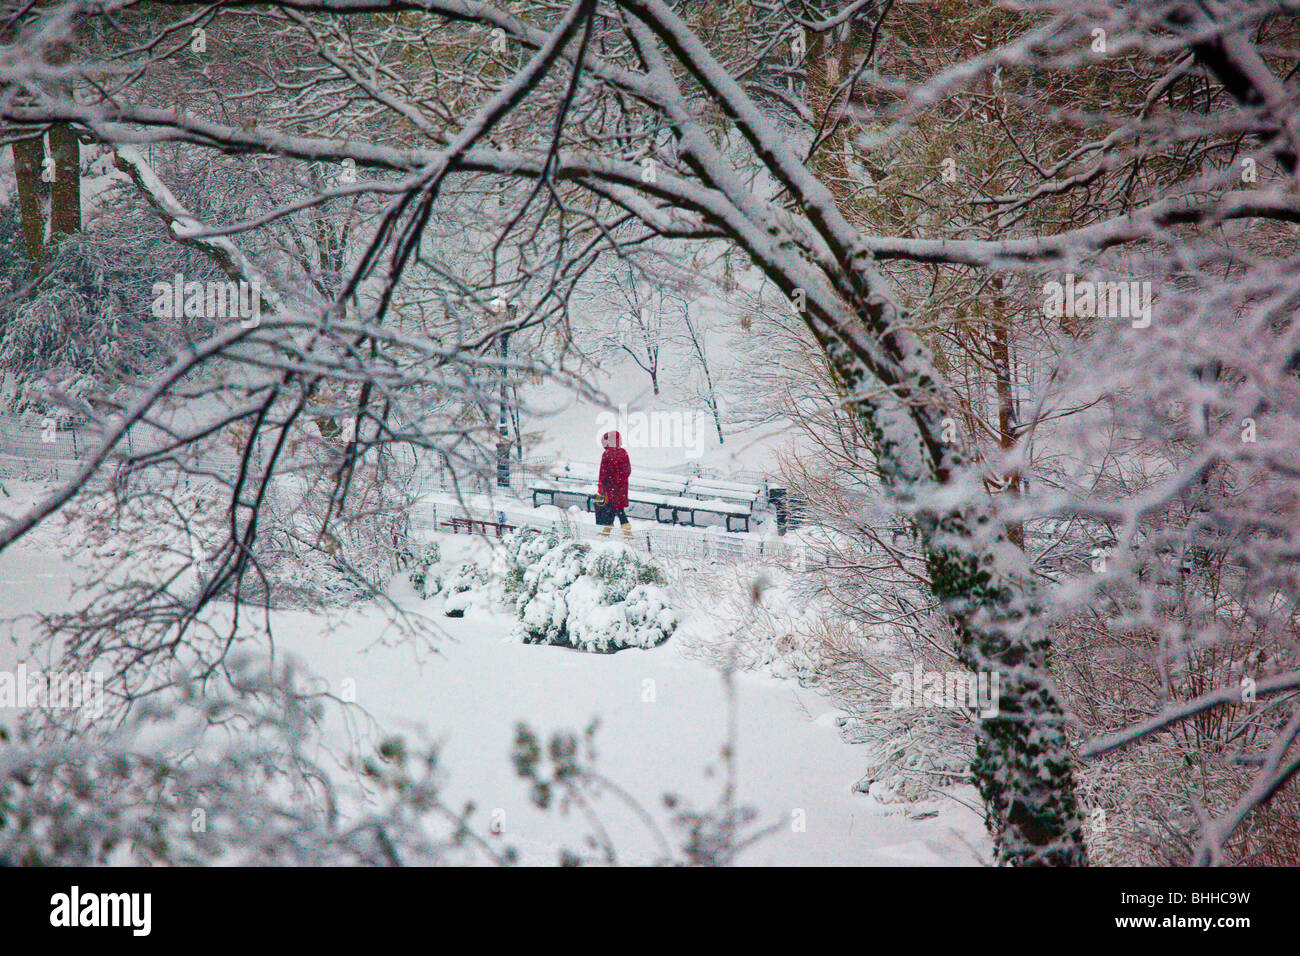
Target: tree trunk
{"points": [[1023, 766], [65, 193], [29, 155], [697, 343], [824, 70], [1001, 334]]}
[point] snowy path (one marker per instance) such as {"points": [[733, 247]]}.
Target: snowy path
{"points": [[791, 758]]}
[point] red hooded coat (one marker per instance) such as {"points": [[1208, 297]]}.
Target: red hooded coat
{"points": [[615, 467]]}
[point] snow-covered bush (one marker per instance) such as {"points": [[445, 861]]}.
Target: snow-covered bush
{"points": [[314, 553], [751, 617], [351, 561], [419, 561], [911, 752], [167, 786], [643, 618], [542, 602], [87, 319], [523, 549], [464, 586], [600, 598], [622, 571]]}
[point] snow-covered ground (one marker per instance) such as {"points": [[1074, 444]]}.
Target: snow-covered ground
{"points": [[662, 719]]}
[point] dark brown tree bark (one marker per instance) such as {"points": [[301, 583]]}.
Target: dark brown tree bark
{"points": [[29, 154], [65, 192], [1007, 425]]}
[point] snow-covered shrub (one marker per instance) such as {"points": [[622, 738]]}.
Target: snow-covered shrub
{"points": [[542, 601], [1145, 805], [751, 617], [419, 561], [462, 587], [313, 551], [131, 792], [311, 559], [621, 571], [911, 752], [88, 318], [642, 618], [599, 598], [523, 549]]}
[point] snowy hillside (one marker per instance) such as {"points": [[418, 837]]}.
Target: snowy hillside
{"points": [[662, 720]]}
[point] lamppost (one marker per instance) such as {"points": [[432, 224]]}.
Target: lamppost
{"points": [[503, 421]]}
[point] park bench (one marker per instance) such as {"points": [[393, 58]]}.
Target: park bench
{"points": [[668, 498], [481, 524]]}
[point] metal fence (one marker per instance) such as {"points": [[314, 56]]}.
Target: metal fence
{"points": [[48, 448], [676, 542]]}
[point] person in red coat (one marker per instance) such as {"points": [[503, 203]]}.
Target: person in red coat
{"points": [[615, 469]]}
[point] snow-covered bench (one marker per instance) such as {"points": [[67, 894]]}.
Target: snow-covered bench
{"points": [[553, 491], [470, 525], [669, 498], [739, 512], [714, 489], [563, 495], [655, 482], [579, 478]]}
